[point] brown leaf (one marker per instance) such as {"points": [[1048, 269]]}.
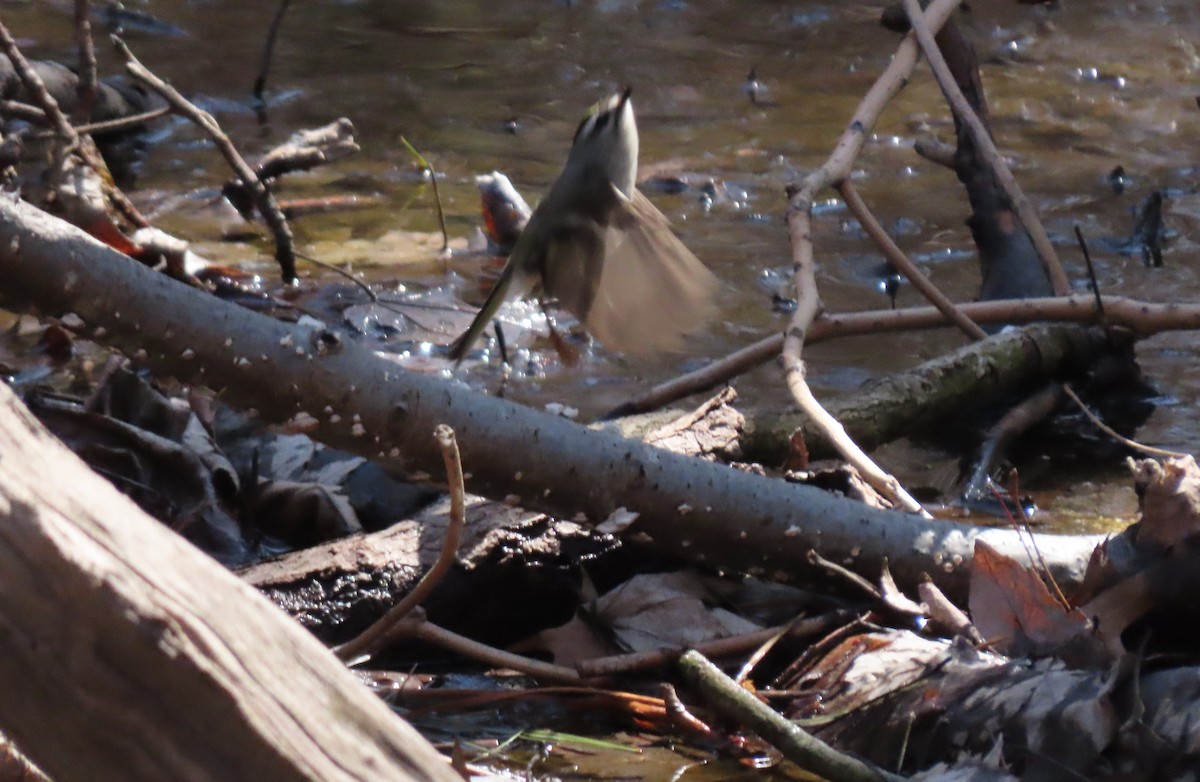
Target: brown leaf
{"points": [[1013, 609], [666, 610], [568, 644]]}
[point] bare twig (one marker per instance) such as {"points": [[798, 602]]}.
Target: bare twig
{"points": [[810, 753], [263, 199], [987, 149], [264, 68], [893, 253], [88, 85], [721, 647], [1143, 317], [1114, 434], [37, 89], [1091, 270], [360, 648], [1045, 572], [845, 574], [23, 111], [836, 168], [120, 123]]}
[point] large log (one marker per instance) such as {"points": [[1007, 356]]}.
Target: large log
{"points": [[363, 403], [129, 655]]}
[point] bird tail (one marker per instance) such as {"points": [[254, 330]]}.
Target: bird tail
{"points": [[488, 311]]}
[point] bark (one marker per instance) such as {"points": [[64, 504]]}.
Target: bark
{"points": [[365, 404], [1007, 257], [974, 375], [129, 655]]}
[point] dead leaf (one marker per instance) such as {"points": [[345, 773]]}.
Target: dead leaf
{"points": [[1013, 609], [568, 644], [666, 611]]}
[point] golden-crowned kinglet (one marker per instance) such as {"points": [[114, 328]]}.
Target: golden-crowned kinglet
{"points": [[598, 248]]}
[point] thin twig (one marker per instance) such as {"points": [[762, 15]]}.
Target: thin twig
{"points": [[35, 115], [871, 591], [88, 84], [720, 647], [347, 275], [1023, 526], [987, 149], [360, 648], [799, 219], [437, 196], [264, 68], [1114, 434], [1091, 270], [24, 111], [284, 245], [37, 89], [810, 753], [120, 123], [892, 251]]}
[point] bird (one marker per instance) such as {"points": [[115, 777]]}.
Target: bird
{"points": [[598, 248]]}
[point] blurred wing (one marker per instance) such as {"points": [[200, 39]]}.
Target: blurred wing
{"points": [[652, 290], [571, 265]]}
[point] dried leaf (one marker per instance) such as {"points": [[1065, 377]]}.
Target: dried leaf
{"points": [[1013, 609], [666, 610]]}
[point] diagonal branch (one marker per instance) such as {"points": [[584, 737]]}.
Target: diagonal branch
{"points": [[285, 251], [987, 148], [892, 251]]}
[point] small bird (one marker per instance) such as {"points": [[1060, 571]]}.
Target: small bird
{"points": [[598, 248]]}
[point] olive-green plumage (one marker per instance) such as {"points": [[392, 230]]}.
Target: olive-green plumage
{"points": [[598, 248]]}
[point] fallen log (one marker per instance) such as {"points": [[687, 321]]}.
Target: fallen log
{"points": [[363, 403], [951, 385], [129, 655]]}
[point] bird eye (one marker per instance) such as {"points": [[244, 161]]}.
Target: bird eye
{"points": [[602, 122]]}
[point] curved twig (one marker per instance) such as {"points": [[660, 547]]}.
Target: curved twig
{"points": [[388, 627]]}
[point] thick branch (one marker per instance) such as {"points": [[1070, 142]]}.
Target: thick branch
{"points": [[987, 148], [365, 404]]}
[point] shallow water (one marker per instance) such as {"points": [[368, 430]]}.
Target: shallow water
{"points": [[1073, 93]]}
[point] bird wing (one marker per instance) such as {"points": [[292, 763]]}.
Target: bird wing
{"points": [[571, 264], [651, 290]]}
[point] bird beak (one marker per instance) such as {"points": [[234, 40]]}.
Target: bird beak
{"points": [[625, 93]]}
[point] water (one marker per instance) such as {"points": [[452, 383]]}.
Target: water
{"points": [[1073, 92]]}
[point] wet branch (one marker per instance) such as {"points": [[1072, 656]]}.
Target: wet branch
{"points": [[1144, 318], [987, 148], [835, 169], [285, 252]]}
